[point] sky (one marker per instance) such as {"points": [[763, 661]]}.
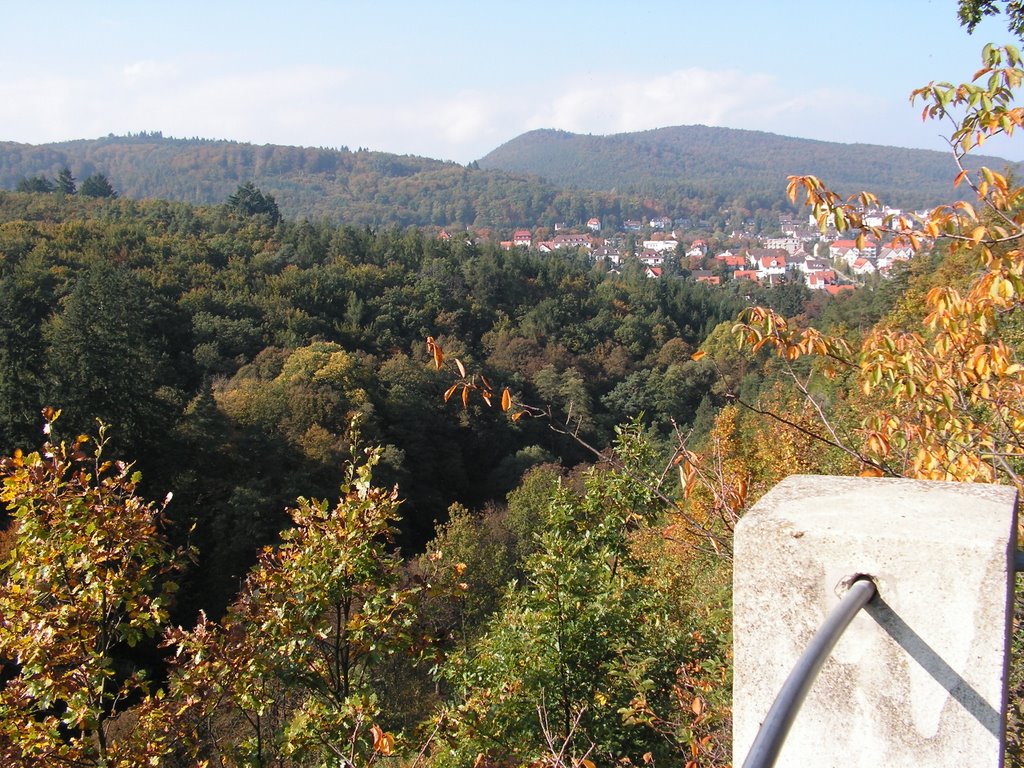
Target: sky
{"points": [[452, 79]]}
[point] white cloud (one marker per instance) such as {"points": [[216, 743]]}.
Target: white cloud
{"points": [[683, 97], [332, 106]]}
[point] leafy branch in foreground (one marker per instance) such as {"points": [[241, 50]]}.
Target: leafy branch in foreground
{"points": [[949, 395], [89, 575]]}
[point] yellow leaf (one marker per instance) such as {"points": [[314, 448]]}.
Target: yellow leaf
{"points": [[461, 367]]}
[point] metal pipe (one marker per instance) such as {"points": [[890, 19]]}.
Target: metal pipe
{"points": [[768, 743]]}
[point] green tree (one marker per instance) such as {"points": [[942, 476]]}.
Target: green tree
{"points": [[587, 649], [108, 358], [290, 676], [97, 185], [249, 200], [89, 575], [35, 184], [66, 182]]}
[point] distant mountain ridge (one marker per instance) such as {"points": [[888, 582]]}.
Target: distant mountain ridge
{"points": [[538, 179], [728, 161]]}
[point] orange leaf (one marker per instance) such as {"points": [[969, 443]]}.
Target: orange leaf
{"points": [[383, 742], [465, 397], [506, 400], [450, 391], [518, 416], [697, 706], [461, 367], [698, 355]]}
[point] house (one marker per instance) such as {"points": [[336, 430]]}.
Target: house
{"points": [[819, 281], [771, 268], [594, 225], [746, 274], [606, 254], [788, 244], [572, 241], [698, 250], [652, 271], [812, 265], [890, 253], [632, 225], [731, 261], [847, 250], [863, 266], [841, 250], [522, 237], [706, 276], [650, 258], [754, 255], [835, 290], [661, 222], [660, 245]]}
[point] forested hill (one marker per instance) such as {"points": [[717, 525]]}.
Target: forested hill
{"points": [[354, 187], [729, 162], [682, 171]]}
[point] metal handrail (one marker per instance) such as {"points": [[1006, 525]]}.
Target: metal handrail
{"points": [[768, 743]]}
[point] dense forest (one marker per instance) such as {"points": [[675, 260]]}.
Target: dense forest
{"points": [[240, 362], [227, 351]]}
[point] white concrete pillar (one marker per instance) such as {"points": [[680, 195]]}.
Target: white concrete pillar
{"points": [[919, 677]]}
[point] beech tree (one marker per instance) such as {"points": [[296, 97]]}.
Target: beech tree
{"points": [[289, 676], [89, 576]]}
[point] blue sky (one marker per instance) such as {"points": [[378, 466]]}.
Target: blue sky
{"points": [[452, 80]]}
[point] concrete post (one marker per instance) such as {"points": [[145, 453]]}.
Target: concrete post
{"points": [[919, 677]]}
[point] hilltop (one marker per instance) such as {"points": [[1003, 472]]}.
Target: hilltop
{"points": [[727, 162]]}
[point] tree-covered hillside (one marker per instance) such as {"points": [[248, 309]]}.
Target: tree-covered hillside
{"points": [[701, 161], [228, 350], [360, 188], [689, 171]]}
